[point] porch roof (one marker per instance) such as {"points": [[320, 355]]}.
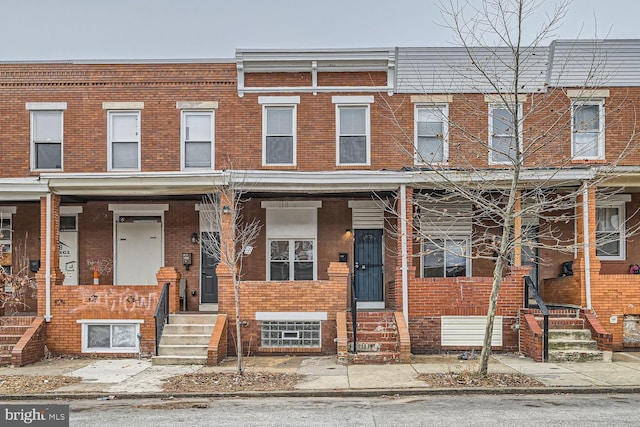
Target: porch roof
{"points": [[22, 189]]}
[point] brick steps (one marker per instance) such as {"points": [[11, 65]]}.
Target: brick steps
{"points": [[11, 330], [377, 338]]}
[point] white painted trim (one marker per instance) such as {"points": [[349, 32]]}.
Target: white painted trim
{"points": [[276, 100], [8, 210], [367, 130], [431, 99], [70, 210], [352, 99], [294, 129], [290, 204], [601, 128], [461, 331], [106, 322], [138, 208], [291, 316], [183, 138], [369, 305], [123, 105], [196, 105], [588, 93], [46, 105], [444, 118], [311, 89], [504, 98]]}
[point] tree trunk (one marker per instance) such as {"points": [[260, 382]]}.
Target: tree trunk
{"points": [[491, 313], [236, 286]]}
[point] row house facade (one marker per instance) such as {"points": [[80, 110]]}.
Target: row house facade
{"points": [[356, 162]]}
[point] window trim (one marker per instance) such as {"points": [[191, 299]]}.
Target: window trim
{"points": [[291, 259], [115, 113], [367, 118], [620, 205], [110, 322], [600, 102], [444, 112], [499, 106], [183, 138], [294, 130], [34, 144], [444, 238]]}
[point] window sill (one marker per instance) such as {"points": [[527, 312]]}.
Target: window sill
{"points": [[592, 161]]}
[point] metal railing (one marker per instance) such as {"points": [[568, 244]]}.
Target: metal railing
{"points": [[162, 313], [354, 313], [530, 291]]}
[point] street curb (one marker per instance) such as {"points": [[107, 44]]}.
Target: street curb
{"points": [[330, 393]]}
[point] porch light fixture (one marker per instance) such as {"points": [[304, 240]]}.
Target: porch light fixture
{"points": [[348, 231], [194, 238], [226, 210]]}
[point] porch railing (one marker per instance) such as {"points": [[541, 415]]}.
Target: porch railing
{"points": [[354, 313], [530, 291], [162, 313]]}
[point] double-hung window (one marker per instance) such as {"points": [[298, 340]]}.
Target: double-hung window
{"points": [[431, 134], [504, 134], [353, 134], [197, 139], [124, 140], [46, 134], [291, 259], [445, 257], [610, 228], [279, 130], [587, 129]]}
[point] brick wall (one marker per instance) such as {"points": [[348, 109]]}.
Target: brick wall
{"points": [[328, 296]]}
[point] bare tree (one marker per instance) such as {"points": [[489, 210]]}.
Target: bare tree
{"points": [[517, 176], [231, 237]]}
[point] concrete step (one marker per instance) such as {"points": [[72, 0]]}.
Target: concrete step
{"points": [[193, 319], [378, 358], [569, 334], [182, 350], [179, 360], [576, 345], [185, 339], [374, 347], [575, 355], [187, 329]]}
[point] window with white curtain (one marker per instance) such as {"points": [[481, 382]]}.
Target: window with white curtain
{"points": [[197, 139], [46, 139], [587, 132], [279, 134], [431, 133], [610, 231], [353, 134], [124, 140]]}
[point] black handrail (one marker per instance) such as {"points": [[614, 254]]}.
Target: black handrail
{"points": [[162, 313], [531, 291], [354, 313]]}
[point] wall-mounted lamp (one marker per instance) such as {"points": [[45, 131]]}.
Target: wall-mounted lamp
{"points": [[194, 238], [348, 231], [226, 210]]}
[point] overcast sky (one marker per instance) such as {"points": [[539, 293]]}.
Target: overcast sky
{"points": [[172, 29]]}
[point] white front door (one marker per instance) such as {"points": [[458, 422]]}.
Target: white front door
{"points": [[138, 250], [69, 256]]}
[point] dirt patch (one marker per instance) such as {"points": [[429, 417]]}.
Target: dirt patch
{"points": [[474, 379], [33, 384], [229, 382]]}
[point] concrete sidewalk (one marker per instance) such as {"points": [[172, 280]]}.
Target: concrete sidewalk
{"points": [[323, 376]]}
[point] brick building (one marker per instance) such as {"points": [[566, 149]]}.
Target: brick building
{"points": [[350, 159]]}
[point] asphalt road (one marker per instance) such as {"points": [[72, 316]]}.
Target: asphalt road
{"points": [[452, 410]]}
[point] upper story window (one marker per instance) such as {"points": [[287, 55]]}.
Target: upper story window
{"points": [[123, 130], [431, 133], [197, 139], [353, 134], [587, 129], [279, 130], [504, 134], [46, 134]]}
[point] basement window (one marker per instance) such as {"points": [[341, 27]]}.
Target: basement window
{"points": [[110, 336], [291, 334]]}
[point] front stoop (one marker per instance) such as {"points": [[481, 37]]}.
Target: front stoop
{"points": [[12, 328], [570, 341], [185, 340], [378, 339]]}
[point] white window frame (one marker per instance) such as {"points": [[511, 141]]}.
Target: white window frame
{"points": [[184, 142], [503, 106], [109, 322], [291, 260], [444, 238], [619, 203], [115, 113], [291, 102], [601, 128], [444, 114], [354, 102]]}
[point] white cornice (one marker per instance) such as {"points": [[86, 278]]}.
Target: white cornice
{"points": [[22, 189]]}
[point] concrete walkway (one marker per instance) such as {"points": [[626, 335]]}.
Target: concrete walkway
{"points": [[323, 376]]}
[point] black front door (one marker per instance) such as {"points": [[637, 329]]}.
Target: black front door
{"points": [[208, 278], [530, 252], [368, 265]]}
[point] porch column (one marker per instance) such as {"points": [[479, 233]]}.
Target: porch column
{"points": [[587, 264], [49, 274], [172, 276], [404, 244], [226, 292]]}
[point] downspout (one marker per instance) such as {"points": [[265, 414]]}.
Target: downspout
{"points": [[587, 253], [47, 315], [403, 231]]}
